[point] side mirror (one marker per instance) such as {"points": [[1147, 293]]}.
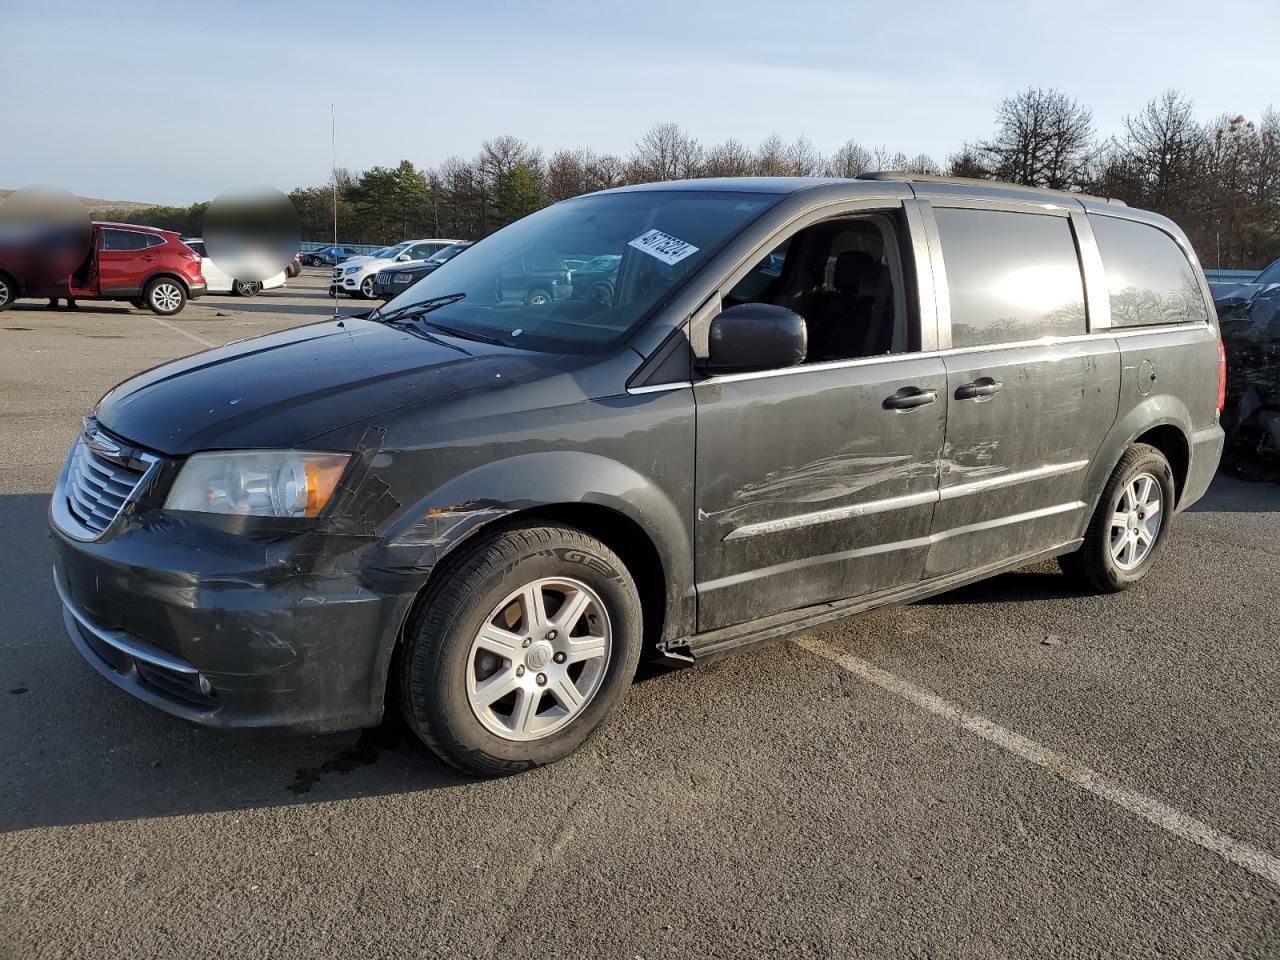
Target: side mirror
{"points": [[755, 336], [403, 258]]}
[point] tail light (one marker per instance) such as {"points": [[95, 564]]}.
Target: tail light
{"points": [[1222, 376]]}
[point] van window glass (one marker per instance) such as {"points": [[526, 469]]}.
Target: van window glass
{"points": [[516, 287], [1150, 279], [1011, 276], [844, 278], [123, 240]]}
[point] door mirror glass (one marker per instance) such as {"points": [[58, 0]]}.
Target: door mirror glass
{"points": [[755, 336], [404, 258]]}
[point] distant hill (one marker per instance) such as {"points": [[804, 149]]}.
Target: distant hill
{"points": [[97, 205]]}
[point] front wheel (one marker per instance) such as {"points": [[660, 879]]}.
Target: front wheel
{"points": [[165, 296], [518, 655], [366, 288], [537, 297], [8, 291], [1130, 525]]}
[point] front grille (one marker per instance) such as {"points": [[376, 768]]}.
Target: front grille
{"points": [[337, 274], [382, 277], [97, 488]]}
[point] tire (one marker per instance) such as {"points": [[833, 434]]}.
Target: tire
{"points": [[1115, 557], [366, 288], [333, 291], [537, 297], [246, 288], [8, 291], [444, 664], [165, 296]]}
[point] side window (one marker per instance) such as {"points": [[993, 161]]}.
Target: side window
{"points": [[844, 277], [1149, 278], [152, 239], [123, 240], [1011, 276]]}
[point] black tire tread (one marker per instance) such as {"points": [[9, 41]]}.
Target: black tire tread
{"points": [[445, 597]]}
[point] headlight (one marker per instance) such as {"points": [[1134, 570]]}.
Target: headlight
{"points": [[401, 278], [258, 483], [350, 270]]}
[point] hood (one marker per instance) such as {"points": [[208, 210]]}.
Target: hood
{"points": [[283, 389], [363, 260]]}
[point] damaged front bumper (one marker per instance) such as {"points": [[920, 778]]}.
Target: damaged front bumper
{"points": [[225, 630]]}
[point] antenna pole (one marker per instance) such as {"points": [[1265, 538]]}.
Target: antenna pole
{"points": [[333, 179]]}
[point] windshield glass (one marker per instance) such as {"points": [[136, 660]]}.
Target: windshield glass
{"points": [[440, 256], [391, 252], [518, 285], [1269, 275]]}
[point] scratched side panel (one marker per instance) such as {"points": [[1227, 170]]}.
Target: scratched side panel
{"points": [[1014, 465]]}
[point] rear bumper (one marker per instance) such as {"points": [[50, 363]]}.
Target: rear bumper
{"points": [[196, 290], [1206, 452]]}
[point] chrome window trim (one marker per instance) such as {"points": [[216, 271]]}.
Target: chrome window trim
{"points": [[955, 351], [902, 502], [660, 387]]}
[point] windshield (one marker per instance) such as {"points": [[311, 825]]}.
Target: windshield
{"points": [[440, 256], [518, 285], [1269, 275], [391, 252]]}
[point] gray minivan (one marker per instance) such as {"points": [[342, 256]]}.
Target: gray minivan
{"points": [[800, 399]]}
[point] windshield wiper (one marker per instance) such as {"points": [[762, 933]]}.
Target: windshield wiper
{"points": [[416, 309], [465, 334]]}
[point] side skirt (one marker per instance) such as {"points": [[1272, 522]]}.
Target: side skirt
{"points": [[718, 643]]}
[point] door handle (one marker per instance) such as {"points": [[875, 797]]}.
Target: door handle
{"points": [[148, 257], [909, 397], [979, 389]]}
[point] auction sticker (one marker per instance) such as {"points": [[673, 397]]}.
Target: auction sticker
{"points": [[670, 250]]}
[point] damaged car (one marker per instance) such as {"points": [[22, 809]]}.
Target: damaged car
{"points": [[801, 399]]}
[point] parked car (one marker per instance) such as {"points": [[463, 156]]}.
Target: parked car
{"points": [[355, 276], [326, 256], [393, 281], [144, 266], [804, 400], [593, 278], [1233, 296], [219, 282], [536, 278]]}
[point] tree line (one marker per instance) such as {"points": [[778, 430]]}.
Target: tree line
{"points": [[1218, 179]]}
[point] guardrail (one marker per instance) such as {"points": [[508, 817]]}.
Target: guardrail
{"points": [[1230, 276]]}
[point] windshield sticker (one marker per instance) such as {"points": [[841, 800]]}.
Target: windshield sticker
{"points": [[664, 247]]}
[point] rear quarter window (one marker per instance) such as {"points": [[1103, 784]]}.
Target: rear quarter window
{"points": [[1149, 278], [1011, 276]]}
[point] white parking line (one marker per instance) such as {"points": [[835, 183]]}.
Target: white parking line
{"points": [[1153, 811], [192, 336]]}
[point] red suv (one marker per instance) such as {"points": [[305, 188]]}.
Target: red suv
{"points": [[141, 265]]}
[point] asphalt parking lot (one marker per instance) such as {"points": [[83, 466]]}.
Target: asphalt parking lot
{"points": [[1013, 769]]}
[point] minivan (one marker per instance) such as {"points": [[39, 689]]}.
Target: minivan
{"points": [[803, 399]]}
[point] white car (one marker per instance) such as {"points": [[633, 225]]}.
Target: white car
{"points": [[221, 282], [355, 276]]}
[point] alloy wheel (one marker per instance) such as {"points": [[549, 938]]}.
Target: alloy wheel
{"points": [[539, 658], [4, 293], [1136, 521], [166, 297]]}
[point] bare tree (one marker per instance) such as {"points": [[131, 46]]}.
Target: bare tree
{"points": [[803, 158], [849, 161], [666, 152], [728, 159], [1043, 139]]}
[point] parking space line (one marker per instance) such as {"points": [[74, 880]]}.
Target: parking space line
{"points": [[185, 333], [1148, 808]]}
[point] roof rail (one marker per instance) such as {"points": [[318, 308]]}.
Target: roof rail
{"points": [[976, 182]]}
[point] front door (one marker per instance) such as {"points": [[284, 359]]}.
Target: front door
{"points": [[817, 482], [1030, 394]]}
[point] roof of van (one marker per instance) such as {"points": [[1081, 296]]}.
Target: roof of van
{"points": [[789, 185]]}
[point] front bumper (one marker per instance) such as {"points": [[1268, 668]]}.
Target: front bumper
{"points": [[385, 291], [228, 631]]}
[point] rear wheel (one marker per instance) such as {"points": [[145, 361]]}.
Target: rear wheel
{"points": [[537, 297], [516, 657], [165, 296], [246, 288], [1130, 525], [8, 291]]}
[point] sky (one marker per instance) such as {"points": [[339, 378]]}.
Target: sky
{"points": [[176, 102]]}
